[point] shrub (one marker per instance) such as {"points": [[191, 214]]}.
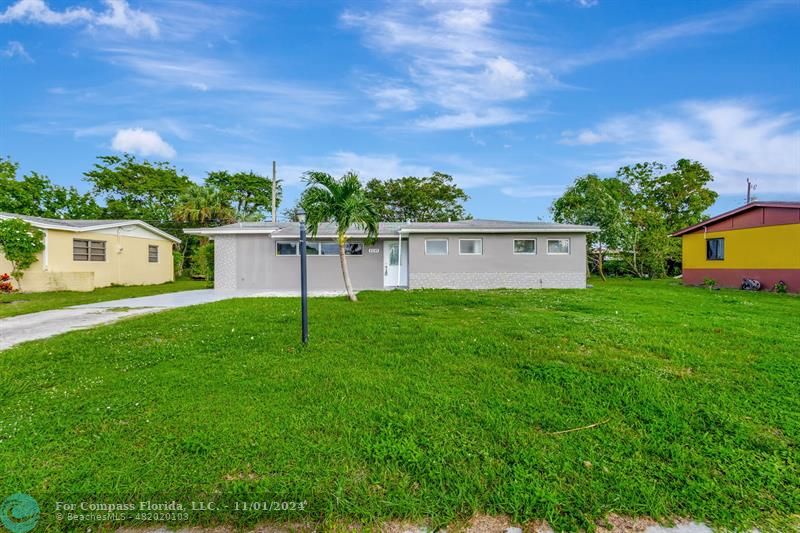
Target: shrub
{"points": [[5, 284], [781, 287], [203, 262], [20, 242], [709, 283]]}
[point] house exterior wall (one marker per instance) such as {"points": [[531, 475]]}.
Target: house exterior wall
{"points": [[767, 253], [126, 262], [251, 262], [498, 266]]}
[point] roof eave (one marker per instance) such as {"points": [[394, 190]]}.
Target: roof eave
{"points": [[501, 230], [60, 227], [238, 231]]}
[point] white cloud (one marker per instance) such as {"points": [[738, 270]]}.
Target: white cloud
{"points": [[456, 59], [734, 139], [395, 98], [142, 142], [723, 21], [470, 119], [15, 49], [118, 15]]}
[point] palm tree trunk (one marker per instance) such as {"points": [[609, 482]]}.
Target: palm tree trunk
{"points": [[346, 272]]}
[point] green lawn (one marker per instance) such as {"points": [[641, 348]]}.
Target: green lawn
{"points": [[22, 303], [423, 405]]}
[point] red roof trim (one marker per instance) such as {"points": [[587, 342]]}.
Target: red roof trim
{"points": [[727, 214]]}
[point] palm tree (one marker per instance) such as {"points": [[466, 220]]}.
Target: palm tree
{"points": [[204, 206], [343, 203]]}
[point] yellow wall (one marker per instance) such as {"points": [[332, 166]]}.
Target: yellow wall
{"points": [[126, 262], [758, 248]]}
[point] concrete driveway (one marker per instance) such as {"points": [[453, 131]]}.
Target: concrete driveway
{"points": [[32, 326], [45, 324]]}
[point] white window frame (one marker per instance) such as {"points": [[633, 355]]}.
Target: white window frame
{"points": [[158, 254], [319, 243], [569, 247], [514, 247], [472, 239], [446, 246]]}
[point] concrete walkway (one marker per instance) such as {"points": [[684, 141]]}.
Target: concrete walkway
{"points": [[33, 326]]}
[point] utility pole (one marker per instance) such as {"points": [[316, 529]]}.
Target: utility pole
{"points": [[274, 194], [750, 187]]}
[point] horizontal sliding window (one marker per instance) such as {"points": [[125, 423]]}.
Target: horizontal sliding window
{"points": [[558, 246], [435, 246], [318, 248], [525, 246], [470, 246], [86, 250]]}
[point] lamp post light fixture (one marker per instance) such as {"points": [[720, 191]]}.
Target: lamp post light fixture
{"points": [[301, 217]]}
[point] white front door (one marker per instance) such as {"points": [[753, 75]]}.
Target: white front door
{"points": [[395, 264]]}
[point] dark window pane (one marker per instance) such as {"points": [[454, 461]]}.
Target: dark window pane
{"points": [[312, 248], [715, 249], [353, 248], [286, 248]]}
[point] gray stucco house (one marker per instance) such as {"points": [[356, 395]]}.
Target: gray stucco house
{"points": [[466, 254]]}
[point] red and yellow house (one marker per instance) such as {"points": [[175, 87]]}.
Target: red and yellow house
{"points": [[760, 240]]}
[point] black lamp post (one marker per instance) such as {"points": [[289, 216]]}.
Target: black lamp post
{"points": [[301, 217]]}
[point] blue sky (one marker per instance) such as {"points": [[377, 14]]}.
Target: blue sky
{"points": [[514, 99]]}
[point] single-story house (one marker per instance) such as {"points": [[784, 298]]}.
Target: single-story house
{"points": [[81, 255], [467, 254], [759, 240]]}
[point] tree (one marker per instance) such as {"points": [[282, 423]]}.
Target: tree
{"points": [[595, 201], [435, 198], [19, 243], [344, 203], [662, 201], [249, 193], [204, 206], [36, 195], [638, 210], [138, 189]]}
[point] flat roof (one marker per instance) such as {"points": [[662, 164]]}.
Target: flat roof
{"points": [[385, 229]]}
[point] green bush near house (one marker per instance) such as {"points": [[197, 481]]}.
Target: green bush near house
{"points": [[423, 405]]}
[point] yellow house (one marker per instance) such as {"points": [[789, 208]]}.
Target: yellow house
{"points": [[760, 241], [81, 255]]}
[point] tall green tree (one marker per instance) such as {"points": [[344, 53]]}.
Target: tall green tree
{"points": [[663, 200], [250, 194], [344, 203], [34, 194], [138, 189], [19, 243], [595, 201], [434, 198], [638, 210]]}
